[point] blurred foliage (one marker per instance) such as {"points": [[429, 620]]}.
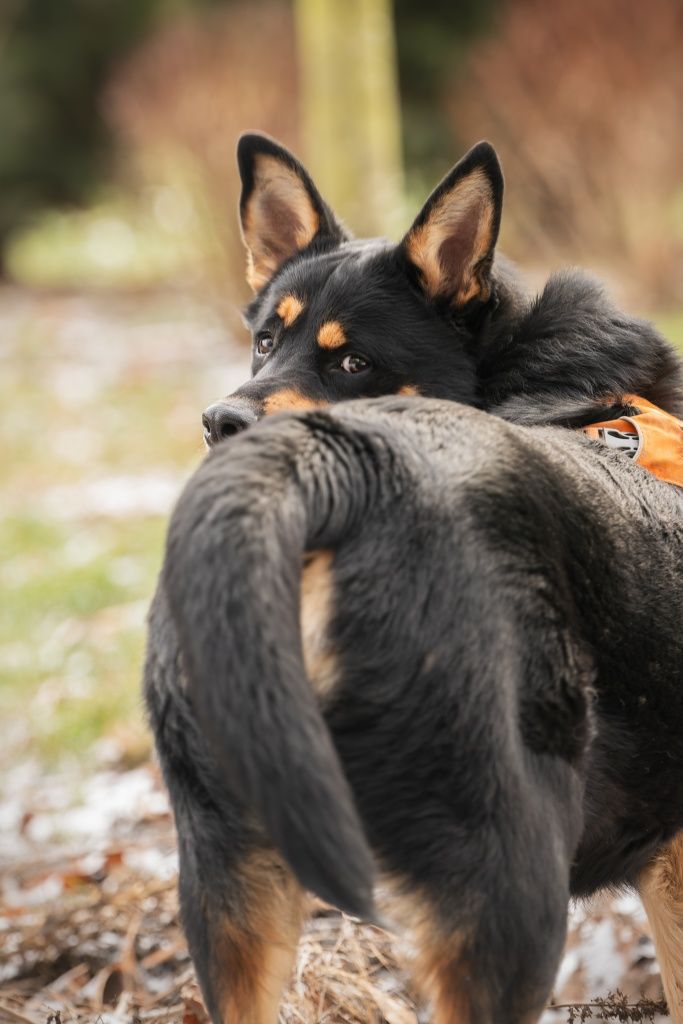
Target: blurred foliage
{"points": [[168, 85], [116, 104], [433, 40], [85, 499], [189, 80], [81, 600], [54, 61], [584, 102], [178, 104], [118, 241]]}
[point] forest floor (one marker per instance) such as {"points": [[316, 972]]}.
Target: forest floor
{"points": [[100, 399], [90, 933]]}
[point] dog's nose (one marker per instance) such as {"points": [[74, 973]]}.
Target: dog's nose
{"points": [[222, 420]]}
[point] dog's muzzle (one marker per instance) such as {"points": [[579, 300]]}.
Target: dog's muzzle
{"points": [[223, 419]]}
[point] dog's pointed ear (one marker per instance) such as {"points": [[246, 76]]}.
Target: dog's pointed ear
{"points": [[452, 240], [281, 210]]}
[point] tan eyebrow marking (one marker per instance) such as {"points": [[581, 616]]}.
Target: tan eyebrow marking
{"points": [[408, 389], [331, 334], [289, 308], [289, 398]]}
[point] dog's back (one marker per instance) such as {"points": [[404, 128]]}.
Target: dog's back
{"points": [[463, 593]]}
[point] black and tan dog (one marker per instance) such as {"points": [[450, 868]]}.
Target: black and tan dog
{"points": [[416, 642], [336, 318]]}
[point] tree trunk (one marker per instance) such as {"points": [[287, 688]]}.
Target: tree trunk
{"points": [[350, 109]]}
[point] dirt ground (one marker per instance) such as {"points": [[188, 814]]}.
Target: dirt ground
{"points": [[100, 399], [90, 931]]}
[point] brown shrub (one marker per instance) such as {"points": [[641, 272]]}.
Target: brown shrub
{"points": [[179, 104], [584, 101]]}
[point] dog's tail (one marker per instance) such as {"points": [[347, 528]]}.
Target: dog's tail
{"points": [[232, 577]]}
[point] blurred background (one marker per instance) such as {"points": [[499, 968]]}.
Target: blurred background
{"points": [[122, 270]]}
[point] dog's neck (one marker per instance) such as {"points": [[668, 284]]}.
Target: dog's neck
{"points": [[560, 357]]}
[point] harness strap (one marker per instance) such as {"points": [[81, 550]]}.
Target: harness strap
{"points": [[652, 437]]}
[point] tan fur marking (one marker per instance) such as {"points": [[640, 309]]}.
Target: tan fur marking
{"points": [[289, 398], [450, 213], [436, 962], [437, 974], [289, 309], [254, 955], [316, 612], [661, 890], [408, 389], [255, 280], [286, 186], [331, 334], [279, 220]]}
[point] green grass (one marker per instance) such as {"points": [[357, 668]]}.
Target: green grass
{"points": [[115, 242], [75, 576], [71, 630]]}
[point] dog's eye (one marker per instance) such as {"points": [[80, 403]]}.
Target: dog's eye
{"points": [[353, 363], [265, 344]]}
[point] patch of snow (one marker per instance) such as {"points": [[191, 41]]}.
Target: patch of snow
{"points": [[45, 892], [107, 797], [579, 911], [116, 497], [571, 962], [550, 1016], [153, 862], [629, 905], [602, 962]]}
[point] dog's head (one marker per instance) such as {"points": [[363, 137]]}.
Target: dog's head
{"points": [[335, 318]]}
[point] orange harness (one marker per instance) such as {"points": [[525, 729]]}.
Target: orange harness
{"points": [[652, 437]]}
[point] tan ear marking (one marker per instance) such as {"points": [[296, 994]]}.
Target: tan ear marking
{"points": [[408, 389], [279, 221], [454, 239], [331, 334], [289, 309], [276, 188], [288, 399], [255, 278]]}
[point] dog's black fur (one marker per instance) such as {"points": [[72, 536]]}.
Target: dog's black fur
{"points": [[554, 359], [492, 715]]}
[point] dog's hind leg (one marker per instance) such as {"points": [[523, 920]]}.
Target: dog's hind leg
{"points": [[661, 890], [478, 976], [487, 932], [243, 939], [241, 908], [438, 963]]}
